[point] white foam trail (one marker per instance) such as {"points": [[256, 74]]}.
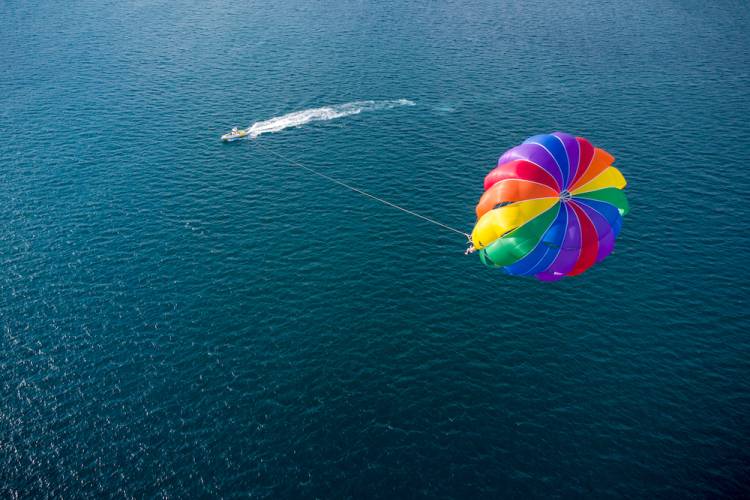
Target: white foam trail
{"points": [[299, 118]]}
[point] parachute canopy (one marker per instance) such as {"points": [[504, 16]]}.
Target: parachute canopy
{"points": [[551, 208]]}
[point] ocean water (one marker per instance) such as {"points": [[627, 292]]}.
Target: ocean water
{"points": [[181, 317]]}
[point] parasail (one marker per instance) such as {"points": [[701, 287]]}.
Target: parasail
{"points": [[552, 207]]}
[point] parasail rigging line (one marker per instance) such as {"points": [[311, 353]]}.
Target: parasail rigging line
{"points": [[360, 191]]}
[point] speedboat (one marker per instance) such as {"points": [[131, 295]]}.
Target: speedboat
{"points": [[234, 134]]}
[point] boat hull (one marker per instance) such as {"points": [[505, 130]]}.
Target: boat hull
{"points": [[233, 137]]}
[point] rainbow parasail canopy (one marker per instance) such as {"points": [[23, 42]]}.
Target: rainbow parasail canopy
{"points": [[551, 208]]}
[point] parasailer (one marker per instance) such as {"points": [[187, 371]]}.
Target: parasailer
{"points": [[551, 208]]}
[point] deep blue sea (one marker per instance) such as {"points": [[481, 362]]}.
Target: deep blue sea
{"points": [[185, 318]]}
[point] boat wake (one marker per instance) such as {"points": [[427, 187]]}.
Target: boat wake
{"points": [[299, 118]]}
